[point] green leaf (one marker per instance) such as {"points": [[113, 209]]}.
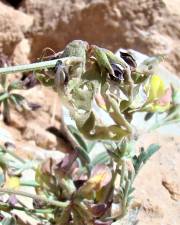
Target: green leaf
{"points": [[101, 158], [18, 97], [142, 158], [83, 154], [82, 96], [15, 85], [3, 79], [3, 96], [91, 146], [150, 151], [16, 102], [78, 137], [8, 221], [6, 111], [45, 80]]}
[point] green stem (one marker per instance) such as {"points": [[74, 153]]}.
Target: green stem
{"points": [[122, 173], [116, 109], [6, 206], [29, 184], [35, 197], [36, 66], [110, 187], [14, 155], [124, 203]]}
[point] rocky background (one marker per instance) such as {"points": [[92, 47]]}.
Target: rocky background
{"points": [[151, 27]]}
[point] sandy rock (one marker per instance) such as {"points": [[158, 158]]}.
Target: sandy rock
{"points": [[147, 26], [21, 52], [17, 120], [41, 137], [157, 185], [173, 188], [32, 151], [14, 24]]}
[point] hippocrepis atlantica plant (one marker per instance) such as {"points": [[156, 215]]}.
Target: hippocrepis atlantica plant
{"points": [[80, 189]]}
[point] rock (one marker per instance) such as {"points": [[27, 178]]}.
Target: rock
{"points": [[21, 52], [150, 27], [32, 151], [14, 24], [41, 137], [17, 120], [173, 188], [158, 183]]}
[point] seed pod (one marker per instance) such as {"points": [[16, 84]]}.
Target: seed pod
{"points": [[128, 58], [118, 72]]}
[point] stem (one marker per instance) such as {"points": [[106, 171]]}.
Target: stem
{"points": [[10, 207], [14, 155], [122, 173], [110, 187], [29, 184], [118, 112], [35, 197], [124, 203], [37, 66]]}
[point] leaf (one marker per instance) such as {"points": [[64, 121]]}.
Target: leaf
{"points": [[82, 97], [6, 112], [102, 59], [175, 95], [142, 158], [78, 137], [8, 221], [3, 96], [83, 155], [46, 81], [64, 218], [15, 85], [3, 79], [101, 158], [91, 145], [13, 183], [101, 102]]}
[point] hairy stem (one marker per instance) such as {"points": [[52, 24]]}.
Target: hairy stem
{"points": [[35, 197], [116, 109], [6, 207], [109, 189], [13, 154], [122, 173], [36, 66]]}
